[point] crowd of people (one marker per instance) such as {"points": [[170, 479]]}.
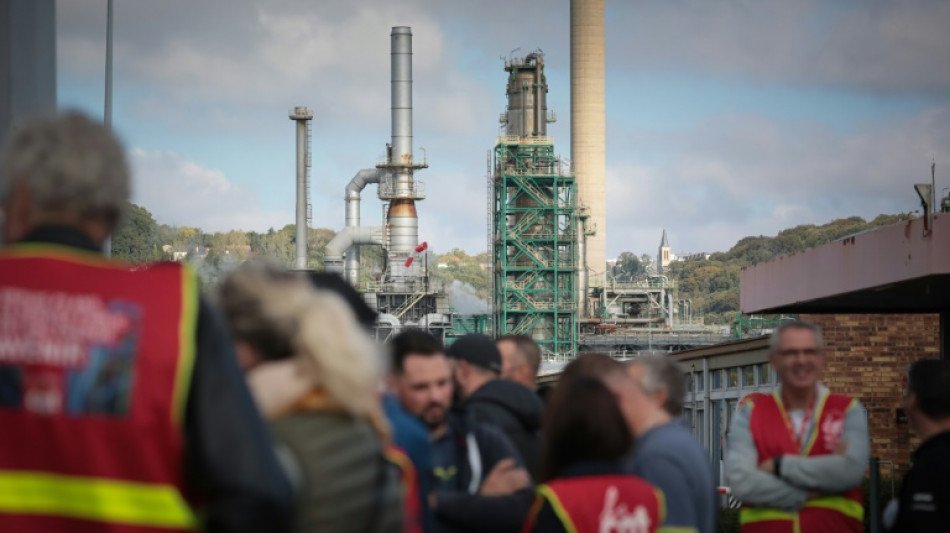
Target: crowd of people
{"points": [[129, 402]]}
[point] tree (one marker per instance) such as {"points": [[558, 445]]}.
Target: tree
{"points": [[136, 237], [628, 267]]}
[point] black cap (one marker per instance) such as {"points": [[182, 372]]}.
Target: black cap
{"points": [[479, 350], [333, 282]]}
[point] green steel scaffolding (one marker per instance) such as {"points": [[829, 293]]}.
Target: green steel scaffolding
{"points": [[534, 245]]}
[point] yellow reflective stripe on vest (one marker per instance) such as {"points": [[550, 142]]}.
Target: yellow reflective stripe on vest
{"points": [[559, 510], [845, 506], [98, 499], [747, 515], [186, 341]]}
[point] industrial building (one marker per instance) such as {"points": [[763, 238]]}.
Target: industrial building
{"points": [[536, 227], [402, 293]]}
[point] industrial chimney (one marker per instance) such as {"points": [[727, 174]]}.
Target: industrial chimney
{"points": [[588, 126], [302, 116]]}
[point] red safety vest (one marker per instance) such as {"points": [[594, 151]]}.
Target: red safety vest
{"points": [[601, 503], [412, 507], [769, 424], [95, 364]]}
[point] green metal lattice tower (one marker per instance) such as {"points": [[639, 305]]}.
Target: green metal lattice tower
{"points": [[534, 244]]}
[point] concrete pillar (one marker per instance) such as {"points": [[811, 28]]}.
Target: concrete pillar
{"points": [[588, 125]]}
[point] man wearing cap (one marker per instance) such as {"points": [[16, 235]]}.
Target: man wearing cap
{"points": [[478, 482], [487, 398]]}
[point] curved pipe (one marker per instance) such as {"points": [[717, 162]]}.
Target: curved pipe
{"points": [[353, 189], [346, 239]]}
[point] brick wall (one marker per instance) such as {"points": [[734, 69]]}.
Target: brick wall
{"points": [[867, 358]]}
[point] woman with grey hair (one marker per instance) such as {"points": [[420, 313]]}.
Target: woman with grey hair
{"points": [[313, 372]]}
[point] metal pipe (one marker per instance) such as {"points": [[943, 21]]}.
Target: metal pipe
{"points": [[107, 118], [539, 124], [874, 504], [353, 189], [582, 271], [107, 112], [347, 239], [401, 78], [302, 116]]}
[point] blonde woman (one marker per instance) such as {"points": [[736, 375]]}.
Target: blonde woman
{"points": [[313, 372]]}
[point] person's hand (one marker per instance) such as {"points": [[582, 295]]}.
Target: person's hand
{"points": [[505, 478], [767, 466]]}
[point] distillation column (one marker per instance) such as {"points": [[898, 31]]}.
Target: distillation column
{"points": [[402, 220]]}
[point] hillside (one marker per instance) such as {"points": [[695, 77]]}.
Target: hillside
{"points": [[712, 284]]}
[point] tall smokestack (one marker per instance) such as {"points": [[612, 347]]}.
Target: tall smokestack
{"points": [[402, 218], [302, 116], [588, 125]]}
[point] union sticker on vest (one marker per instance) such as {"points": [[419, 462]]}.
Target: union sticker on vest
{"points": [[831, 429], [66, 352], [616, 518]]}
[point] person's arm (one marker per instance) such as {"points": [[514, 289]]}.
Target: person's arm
{"points": [[230, 464], [838, 472], [500, 512], [666, 474], [747, 482], [546, 520]]}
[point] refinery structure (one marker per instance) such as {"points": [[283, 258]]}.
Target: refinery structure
{"points": [[402, 293], [547, 221], [535, 224]]}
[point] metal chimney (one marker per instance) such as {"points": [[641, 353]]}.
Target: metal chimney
{"points": [[402, 220], [302, 116]]}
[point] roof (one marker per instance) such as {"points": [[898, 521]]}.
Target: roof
{"points": [[898, 268], [664, 243]]}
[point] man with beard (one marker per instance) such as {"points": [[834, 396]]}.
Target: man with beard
{"points": [[479, 482]]}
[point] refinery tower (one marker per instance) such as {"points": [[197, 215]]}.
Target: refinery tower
{"points": [[535, 223]]}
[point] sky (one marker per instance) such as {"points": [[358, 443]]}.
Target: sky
{"points": [[724, 119]]}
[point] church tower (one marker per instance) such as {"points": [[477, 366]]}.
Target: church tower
{"points": [[664, 256]]}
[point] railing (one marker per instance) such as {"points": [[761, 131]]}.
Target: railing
{"points": [[517, 139], [387, 190], [410, 303]]}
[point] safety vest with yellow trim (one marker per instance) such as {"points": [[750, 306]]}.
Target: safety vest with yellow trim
{"points": [[600, 503], [95, 364], [832, 514], [412, 507]]}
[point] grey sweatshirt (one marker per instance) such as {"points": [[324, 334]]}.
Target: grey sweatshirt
{"points": [[800, 474]]}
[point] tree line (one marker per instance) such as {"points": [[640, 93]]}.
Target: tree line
{"points": [[712, 284]]}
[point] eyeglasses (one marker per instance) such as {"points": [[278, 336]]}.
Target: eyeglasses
{"points": [[788, 352]]}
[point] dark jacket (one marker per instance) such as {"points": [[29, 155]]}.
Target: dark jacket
{"points": [[514, 409], [925, 494], [229, 459], [461, 508]]}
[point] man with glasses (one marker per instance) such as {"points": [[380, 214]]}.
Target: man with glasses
{"points": [[796, 458]]}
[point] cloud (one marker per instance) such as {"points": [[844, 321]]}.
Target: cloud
{"points": [[735, 176], [204, 89], [887, 47], [181, 192]]}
